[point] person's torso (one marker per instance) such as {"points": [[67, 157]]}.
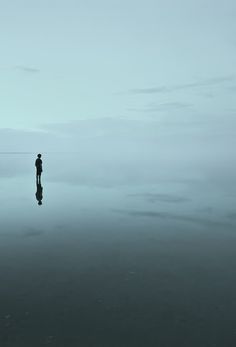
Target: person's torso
{"points": [[38, 163]]}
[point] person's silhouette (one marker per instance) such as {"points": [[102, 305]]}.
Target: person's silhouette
{"points": [[39, 168], [39, 193]]}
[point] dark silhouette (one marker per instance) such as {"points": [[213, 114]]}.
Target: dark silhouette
{"points": [[39, 168], [39, 193]]}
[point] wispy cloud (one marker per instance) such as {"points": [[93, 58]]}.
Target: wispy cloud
{"points": [[192, 85], [153, 107], [27, 69], [232, 88]]}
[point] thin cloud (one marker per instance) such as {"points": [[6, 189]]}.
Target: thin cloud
{"points": [[193, 85], [232, 88], [162, 107], [27, 69]]}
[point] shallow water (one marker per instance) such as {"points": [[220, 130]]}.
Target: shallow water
{"points": [[115, 258]]}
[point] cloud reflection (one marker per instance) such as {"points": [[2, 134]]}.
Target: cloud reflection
{"points": [[171, 216], [151, 197]]}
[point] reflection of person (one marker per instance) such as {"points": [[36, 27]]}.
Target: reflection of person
{"points": [[39, 167], [39, 193]]}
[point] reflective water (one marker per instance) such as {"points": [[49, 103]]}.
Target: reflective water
{"points": [[114, 257]]}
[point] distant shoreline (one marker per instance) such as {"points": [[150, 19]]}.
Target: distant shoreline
{"points": [[17, 152], [34, 153]]}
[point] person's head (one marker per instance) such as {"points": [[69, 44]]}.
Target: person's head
{"points": [[40, 202], [39, 155]]}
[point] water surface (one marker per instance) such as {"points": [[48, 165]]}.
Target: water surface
{"points": [[114, 257]]}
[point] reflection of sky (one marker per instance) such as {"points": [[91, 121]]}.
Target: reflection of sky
{"points": [[130, 254], [192, 204]]}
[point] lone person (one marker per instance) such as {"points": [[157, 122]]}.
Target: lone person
{"points": [[39, 168]]}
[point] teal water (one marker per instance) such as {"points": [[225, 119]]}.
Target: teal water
{"points": [[115, 258]]}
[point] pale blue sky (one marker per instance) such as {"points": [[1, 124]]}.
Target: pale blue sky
{"points": [[64, 60], [141, 90]]}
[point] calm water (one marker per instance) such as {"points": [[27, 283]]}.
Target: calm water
{"points": [[116, 258]]}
